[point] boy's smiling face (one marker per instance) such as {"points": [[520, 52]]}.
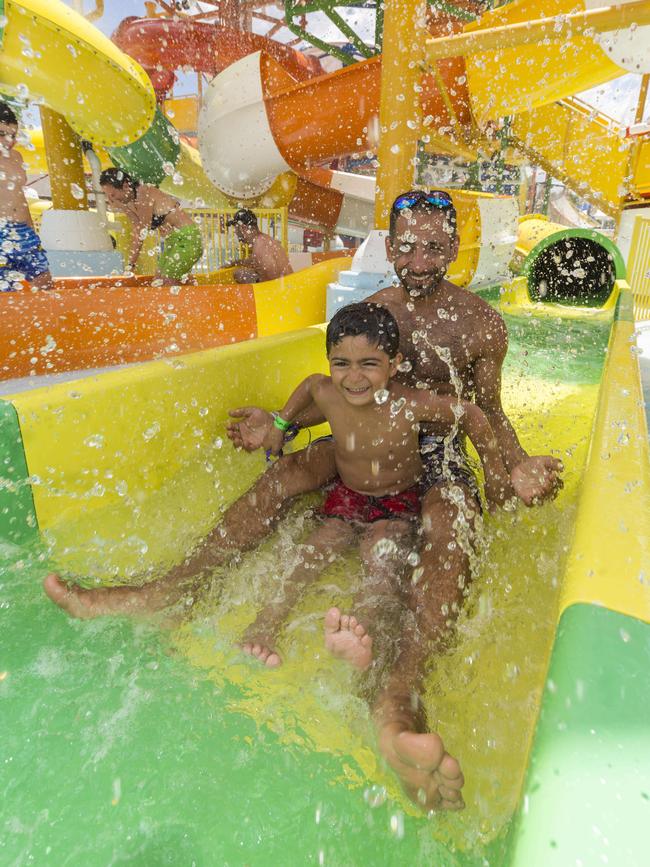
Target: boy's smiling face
{"points": [[359, 368]]}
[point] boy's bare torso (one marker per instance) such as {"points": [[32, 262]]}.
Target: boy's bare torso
{"points": [[13, 205], [376, 446]]}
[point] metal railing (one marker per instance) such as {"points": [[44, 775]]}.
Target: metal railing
{"points": [[638, 268], [220, 244]]}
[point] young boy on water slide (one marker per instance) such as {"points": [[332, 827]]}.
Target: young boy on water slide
{"points": [[376, 497]]}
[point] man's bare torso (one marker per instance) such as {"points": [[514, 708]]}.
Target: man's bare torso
{"points": [[13, 205], [442, 337]]}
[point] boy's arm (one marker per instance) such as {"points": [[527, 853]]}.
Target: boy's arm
{"points": [[300, 400]]}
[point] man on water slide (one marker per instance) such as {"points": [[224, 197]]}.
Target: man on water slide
{"points": [[452, 342]]}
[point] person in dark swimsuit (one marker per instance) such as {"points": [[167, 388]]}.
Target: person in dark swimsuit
{"points": [[151, 210]]}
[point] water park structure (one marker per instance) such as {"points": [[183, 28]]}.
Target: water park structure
{"points": [[115, 388]]}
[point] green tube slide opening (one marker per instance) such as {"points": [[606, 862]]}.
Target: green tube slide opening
{"points": [[573, 266]]}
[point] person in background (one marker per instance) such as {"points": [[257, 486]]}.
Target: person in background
{"points": [[21, 254], [268, 259], [150, 210]]}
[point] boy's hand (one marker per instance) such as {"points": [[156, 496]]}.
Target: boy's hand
{"points": [[252, 429], [536, 479]]}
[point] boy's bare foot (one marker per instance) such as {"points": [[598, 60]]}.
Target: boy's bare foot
{"points": [[86, 604], [265, 655], [429, 775], [347, 639]]}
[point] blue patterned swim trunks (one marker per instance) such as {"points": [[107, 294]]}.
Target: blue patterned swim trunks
{"points": [[21, 255]]}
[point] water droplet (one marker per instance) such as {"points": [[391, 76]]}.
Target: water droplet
{"points": [[413, 558], [375, 796], [396, 406], [94, 441], [384, 548], [77, 192], [151, 432], [381, 396]]}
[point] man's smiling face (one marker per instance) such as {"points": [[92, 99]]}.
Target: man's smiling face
{"points": [[423, 246]]}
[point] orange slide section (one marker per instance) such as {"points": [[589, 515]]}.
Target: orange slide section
{"points": [[78, 327], [94, 322]]}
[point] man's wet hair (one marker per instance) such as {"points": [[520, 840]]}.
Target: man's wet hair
{"points": [[365, 319], [118, 179], [425, 206], [7, 114]]}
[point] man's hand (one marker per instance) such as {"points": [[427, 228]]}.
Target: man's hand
{"points": [[536, 479], [498, 491], [252, 429]]}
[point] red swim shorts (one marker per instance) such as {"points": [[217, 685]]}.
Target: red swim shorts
{"points": [[342, 502]]}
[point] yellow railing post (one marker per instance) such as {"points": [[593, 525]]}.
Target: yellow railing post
{"points": [[399, 108]]}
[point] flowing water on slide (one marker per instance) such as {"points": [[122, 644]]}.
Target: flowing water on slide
{"points": [[125, 743]]}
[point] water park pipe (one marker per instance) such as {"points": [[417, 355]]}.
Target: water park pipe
{"points": [[636, 12], [399, 108], [318, 196], [163, 45], [64, 161]]}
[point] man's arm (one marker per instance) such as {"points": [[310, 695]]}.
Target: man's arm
{"points": [[534, 478], [21, 178], [473, 423]]}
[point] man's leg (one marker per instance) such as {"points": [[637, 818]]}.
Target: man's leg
{"points": [[429, 774], [316, 554], [244, 525], [377, 607]]}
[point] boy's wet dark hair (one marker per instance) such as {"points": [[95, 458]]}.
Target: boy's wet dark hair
{"points": [[365, 319], [427, 202], [118, 179], [7, 114]]}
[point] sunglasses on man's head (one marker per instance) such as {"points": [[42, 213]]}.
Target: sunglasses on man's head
{"points": [[436, 198]]}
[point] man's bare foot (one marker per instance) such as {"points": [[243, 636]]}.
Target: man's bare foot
{"points": [[347, 639], [265, 655], [429, 775], [86, 604]]}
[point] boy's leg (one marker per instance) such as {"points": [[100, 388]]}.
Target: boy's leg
{"points": [[244, 525], [428, 773], [377, 607], [316, 554]]}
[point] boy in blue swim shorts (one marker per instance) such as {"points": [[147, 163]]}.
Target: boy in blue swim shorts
{"points": [[21, 254]]}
